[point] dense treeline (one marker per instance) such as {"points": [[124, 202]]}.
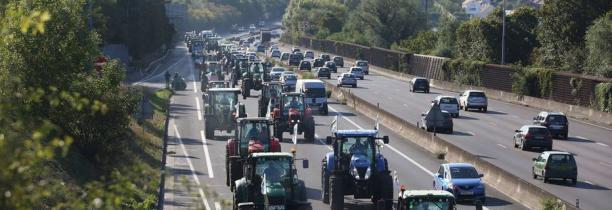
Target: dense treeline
{"points": [[222, 14], [142, 25], [64, 127], [565, 35]]}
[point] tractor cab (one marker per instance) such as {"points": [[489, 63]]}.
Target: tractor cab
{"points": [[425, 200], [252, 135], [270, 182], [221, 109], [293, 111], [214, 71], [356, 167], [269, 97]]}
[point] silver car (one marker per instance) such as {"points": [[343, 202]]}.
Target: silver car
{"points": [[363, 65], [448, 104], [347, 79], [357, 72], [276, 73]]}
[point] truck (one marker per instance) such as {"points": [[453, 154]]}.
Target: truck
{"points": [[266, 36]]}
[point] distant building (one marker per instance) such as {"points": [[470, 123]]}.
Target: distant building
{"points": [[478, 8]]}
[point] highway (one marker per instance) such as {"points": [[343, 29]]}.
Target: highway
{"points": [[195, 165], [489, 135]]}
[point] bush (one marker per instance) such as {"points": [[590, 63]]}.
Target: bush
{"points": [[535, 82], [603, 97], [463, 71], [551, 204]]}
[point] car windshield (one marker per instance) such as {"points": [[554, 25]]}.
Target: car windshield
{"points": [[323, 69], [228, 99], [330, 64], [347, 76], [429, 203], [273, 169], [355, 70], [290, 77], [561, 160], [420, 82], [448, 100], [557, 119], [362, 64], [463, 172], [315, 93], [477, 94], [278, 70], [357, 146]]}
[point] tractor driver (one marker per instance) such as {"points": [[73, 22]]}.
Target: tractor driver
{"points": [[358, 148], [272, 173], [224, 101], [294, 103]]}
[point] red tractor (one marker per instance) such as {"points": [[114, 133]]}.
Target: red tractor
{"points": [[293, 111], [252, 135]]}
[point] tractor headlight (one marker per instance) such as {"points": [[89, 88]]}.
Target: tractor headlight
{"points": [[367, 174], [354, 173]]}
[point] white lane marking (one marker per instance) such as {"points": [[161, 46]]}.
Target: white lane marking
{"points": [[323, 143], [193, 172], [395, 150], [152, 76], [207, 155], [583, 138], [493, 124], [591, 124], [471, 133], [195, 85], [217, 205], [605, 164], [602, 144], [199, 109], [591, 183], [501, 146]]}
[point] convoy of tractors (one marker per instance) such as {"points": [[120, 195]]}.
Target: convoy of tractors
{"points": [[257, 172]]}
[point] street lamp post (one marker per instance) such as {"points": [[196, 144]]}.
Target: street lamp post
{"points": [[503, 53]]}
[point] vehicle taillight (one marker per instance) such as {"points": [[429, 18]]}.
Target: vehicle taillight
{"points": [[275, 145], [527, 136]]}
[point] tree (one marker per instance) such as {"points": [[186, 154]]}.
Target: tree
{"points": [[422, 43], [520, 33], [563, 24], [315, 17], [387, 21], [599, 45], [446, 36], [478, 39]]}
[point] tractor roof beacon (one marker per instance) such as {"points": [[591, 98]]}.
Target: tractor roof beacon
{"points": [[356, 167], [246, 142], [293, 111], [270, 182], [221, 109]]}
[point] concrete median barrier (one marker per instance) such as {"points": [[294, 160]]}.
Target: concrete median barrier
{"points": [[514, 187]]}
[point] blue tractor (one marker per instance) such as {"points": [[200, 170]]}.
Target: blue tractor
{"points": [[356, 167]]}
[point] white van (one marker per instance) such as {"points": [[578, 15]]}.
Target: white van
{"points": [[315, 94]]}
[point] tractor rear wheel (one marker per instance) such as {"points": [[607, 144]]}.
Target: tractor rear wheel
{"points": [[310, 130], [325, 187], [336, 192], [235, 173], [384, 192], [210, 130]]}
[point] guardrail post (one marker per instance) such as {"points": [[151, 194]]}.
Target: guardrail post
{"points": [[577, 203]]}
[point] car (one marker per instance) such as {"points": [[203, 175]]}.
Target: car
{"points": [[460, 179], [318, 62], [419, 84], [339, 61], [363, 65], [273, 47], [555, 165], [275, 54], [276, 72], [323, 72], [285, 56], [289, 81], [261, 48], [309, 54], [305, 66], [533, 136], [325, 57], [436, 120], [556, 122], [448, 104], [294, 50], [357, 71], [347, 79], [332, 66], [473, 99], [294, 59], [315, 95], [252, 29]]}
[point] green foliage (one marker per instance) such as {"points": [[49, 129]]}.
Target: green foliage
{"points": [[551, 204], [603, 97], [315, 17], [462, 71], [422, 43], [307, 75], [563, 24], [446, 37], [535, 82], [221, 14], [478, 39], [142, 25], [599, 45]]}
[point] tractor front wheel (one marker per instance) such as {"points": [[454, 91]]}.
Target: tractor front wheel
{"points": [[310, 130], [384, 192]]}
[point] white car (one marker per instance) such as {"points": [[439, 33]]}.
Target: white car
{"points": [[473, 99], [276, 73], [363, 65], [448, 104], [289, 80], [357, 72], [347, 79]]}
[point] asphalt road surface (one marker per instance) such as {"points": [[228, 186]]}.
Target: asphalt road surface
{"points": [[195, 165], [489, 135]]}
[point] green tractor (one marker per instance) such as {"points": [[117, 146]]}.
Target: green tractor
{"points": [[221, 109], [425, 200], [292, 111], [269, 97], [252, 135], [178, 82], [254, 78], [270, 182]]}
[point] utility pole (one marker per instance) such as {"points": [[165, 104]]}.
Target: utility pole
{"points": [[503, 53]]}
